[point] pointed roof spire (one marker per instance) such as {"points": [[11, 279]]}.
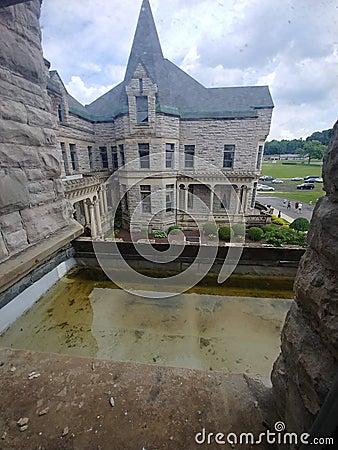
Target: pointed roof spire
{"points": [[146, 46]]}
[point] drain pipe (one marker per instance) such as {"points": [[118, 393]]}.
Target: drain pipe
{"points": [[326, 421]]}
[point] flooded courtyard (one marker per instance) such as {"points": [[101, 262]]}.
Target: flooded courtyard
{"points": [[82, 315]]}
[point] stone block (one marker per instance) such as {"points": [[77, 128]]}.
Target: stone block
{"points": [[323, 232], [40, 118], [41, 192], [12, 110], [3, 248], [11, 222], [330, 167], [309, 364], [16, 241], [316, 289], [21, 134], [13, 191], [42, 221], [19, 156], [50, 163]]}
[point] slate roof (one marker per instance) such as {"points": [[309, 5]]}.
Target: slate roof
{"points": [[178, 93]]}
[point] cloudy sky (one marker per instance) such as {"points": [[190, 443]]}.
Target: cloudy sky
{"points": [[290, 45]]}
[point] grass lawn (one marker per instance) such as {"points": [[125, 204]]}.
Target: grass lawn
{"points": [[279, 170], [289, 188]]}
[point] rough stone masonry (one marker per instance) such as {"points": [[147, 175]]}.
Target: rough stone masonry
{"points": [[304, 372], [32, 204]]}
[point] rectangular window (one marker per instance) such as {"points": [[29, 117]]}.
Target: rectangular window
{"points": [[73, 157], [189, 154], [145, 191], [115, 162], [121, 149], [229, 156], [90, 157], [140, 85], [143, 151], [169, 156], [259, 157], [142, 109], [64, 157], [169, 198], [104, 157]]}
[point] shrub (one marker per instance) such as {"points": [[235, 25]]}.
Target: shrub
{"points": [[279, 221], [116, 232], [173, 227], [225, 233], [284, 236], [267, 228], [212, 237], [238, 229], [255, 233], [210, 228], [160, 234], [300, 224]]}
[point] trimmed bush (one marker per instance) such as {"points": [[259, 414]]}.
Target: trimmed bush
{"points": [[210, 228], [255, 233], [160, 234], [267, 228], [238, 229], [225, 233], [279, 221], [285, 236], [300, 224], [173, 229]]}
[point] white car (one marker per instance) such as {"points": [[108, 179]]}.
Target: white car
{"points": [[264, 187], [277, 181], [296, 179]]}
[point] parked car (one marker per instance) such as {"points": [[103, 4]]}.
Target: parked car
{"points": [[296, 179], [277, 181], [314, 180], [311, 176], [266, 178], [264, 187], [306, 186]]}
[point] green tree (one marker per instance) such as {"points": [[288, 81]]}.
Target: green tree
{"points": [[313, 150]]}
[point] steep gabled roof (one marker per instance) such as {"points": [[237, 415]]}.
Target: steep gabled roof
{"points": [[178, 93]]}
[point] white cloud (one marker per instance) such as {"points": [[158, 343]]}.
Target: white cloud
{"points": [[85, 94]]}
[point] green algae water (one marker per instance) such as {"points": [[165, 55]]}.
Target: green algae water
{"points": [[234, 327]]}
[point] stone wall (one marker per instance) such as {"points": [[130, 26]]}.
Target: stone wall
{"points": [[305, 370], [32, 204]]}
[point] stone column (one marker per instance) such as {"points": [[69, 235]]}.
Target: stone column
{"points": [[98, 217], [212, 194], [92, 220], [86, 213], [101, 204], [186, 193], [105, 202]]}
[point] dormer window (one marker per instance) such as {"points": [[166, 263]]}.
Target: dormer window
{"points": [[142, 109]]}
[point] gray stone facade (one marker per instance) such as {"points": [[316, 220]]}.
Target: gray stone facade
{"points": [[182, 115]]}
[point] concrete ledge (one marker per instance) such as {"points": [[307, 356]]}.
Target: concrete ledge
{"points": [[67, 401], [15, 268]]}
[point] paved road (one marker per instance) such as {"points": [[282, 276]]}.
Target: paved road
{"points": [[277, 203]]}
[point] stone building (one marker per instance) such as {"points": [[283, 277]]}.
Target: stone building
{"points": [[184, 152]]}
